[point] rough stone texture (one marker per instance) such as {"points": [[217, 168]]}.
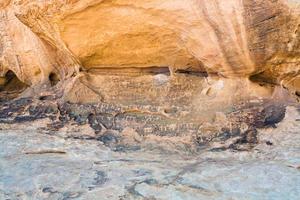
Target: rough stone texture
{"points": [[158, 67], [196, 69], [34, 165], [149, 99], [231, 38]]}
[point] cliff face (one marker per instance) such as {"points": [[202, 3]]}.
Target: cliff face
{"points": [[231, 38], [98, 96], [180, 58]]}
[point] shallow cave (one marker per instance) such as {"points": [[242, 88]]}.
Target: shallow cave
{"points": [[54, 79], [263, 79], [11, 86]]}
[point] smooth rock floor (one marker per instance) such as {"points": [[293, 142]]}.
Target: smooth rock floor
{"points": [[89, 170]]}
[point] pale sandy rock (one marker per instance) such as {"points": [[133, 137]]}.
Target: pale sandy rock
{"points": [[131, 136], [89, 170]]}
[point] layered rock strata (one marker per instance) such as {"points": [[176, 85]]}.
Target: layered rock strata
{"points": [[164, 68]]}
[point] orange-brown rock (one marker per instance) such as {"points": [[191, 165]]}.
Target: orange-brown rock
{"points": [[56, 39]]}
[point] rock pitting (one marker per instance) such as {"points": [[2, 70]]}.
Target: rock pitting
{"points": [[173, 77]]}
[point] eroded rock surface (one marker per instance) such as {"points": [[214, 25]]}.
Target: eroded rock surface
{"points": [[194, 70], [35, 165], [149, 99], [230, 38], [157, 53]]}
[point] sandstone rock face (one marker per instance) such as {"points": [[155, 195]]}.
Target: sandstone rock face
{"points": [[231, 38], [182, 60], [103, 85]]}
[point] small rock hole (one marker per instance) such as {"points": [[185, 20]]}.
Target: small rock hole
{"points": [[11, 86], [269, 143], [54, 79]]}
